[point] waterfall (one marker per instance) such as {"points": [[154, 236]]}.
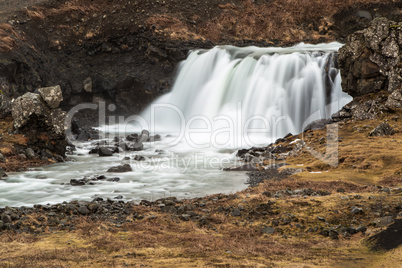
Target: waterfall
{"points": [[223, 99], [250, 92]]}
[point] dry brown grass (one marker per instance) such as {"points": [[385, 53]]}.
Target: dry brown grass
{"points": [[172, 27], [41, 13], [287, 20], [8, 38]]}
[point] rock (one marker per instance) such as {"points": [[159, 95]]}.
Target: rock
{"points": [[185, 217], [51, 95], [382, 129], [113, 179], [104, 151], [30, 153], [268, 230], [371, 58], [26, 106], [318, 124], [75, 182], [245, 167], [139, 158], [144, 136], [5, 105], [364, 14], [333, 234], [35, 119], [290, 171], [88, 84], [236, 212], [2, 158], [384, 221], [2, 173], [123, 146], [6, 218], [121, 168], [361, 229], [83, 210], [356, 210], [138, 146], [132, 137]]}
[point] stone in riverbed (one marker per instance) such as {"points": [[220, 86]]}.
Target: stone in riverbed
{"points": [[35, 119], [138, 146], [268, 230], [121, 168], [144, 136], [103, 151]]}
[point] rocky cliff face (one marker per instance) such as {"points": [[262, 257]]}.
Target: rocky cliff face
{"points": [[371, 60], [371, 67]]}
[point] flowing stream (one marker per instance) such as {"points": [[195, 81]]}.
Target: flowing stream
{"points": [[223, 99]]}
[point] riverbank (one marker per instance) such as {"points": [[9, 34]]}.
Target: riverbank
{"points": [[323, 216]]}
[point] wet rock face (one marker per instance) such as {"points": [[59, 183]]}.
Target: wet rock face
{"points": [[37, 116], [371, 59]]}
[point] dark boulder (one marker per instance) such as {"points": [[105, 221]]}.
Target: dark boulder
{"points": [[104, 151], [371, 58], [138, 146], [42, 125], [121, 168], [2, 173], [144, 136]]}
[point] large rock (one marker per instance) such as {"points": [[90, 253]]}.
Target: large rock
{"points": [[371, 59], [51, 95], [43, 125]]}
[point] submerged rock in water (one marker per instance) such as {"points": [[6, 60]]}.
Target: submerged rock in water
{"points": [[104, 151], [5, 105], [121, 168]]}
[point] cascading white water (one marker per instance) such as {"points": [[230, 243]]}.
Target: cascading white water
{"points": [[270, 91], [223, 98]]}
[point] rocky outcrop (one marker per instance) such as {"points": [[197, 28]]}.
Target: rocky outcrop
{"points": [[39, 119], [382, 129], [371, 59]]}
